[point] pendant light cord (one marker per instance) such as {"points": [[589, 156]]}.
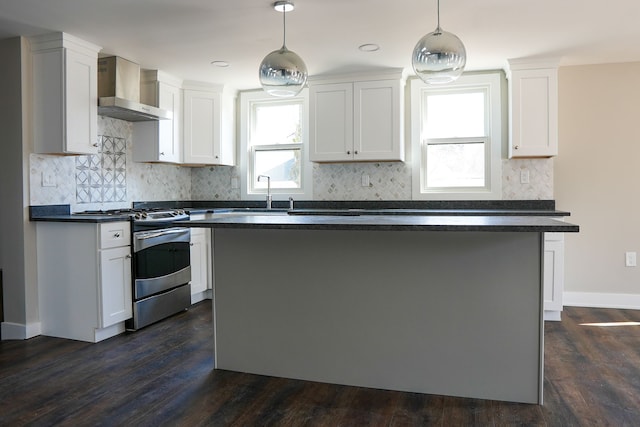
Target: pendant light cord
{"points": [[438, 29], [284, 28]]}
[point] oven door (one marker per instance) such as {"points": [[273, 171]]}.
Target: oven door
{"points": [[160, 260]]}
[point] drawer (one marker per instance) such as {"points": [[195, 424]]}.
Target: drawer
{"points": [[115, 234]]}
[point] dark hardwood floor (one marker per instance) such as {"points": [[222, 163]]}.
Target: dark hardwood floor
{"points": [[162, 375]]}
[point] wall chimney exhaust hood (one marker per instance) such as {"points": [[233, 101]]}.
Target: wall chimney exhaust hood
{"points": [[119, 92]]}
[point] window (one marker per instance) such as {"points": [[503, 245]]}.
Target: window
{"points": [[457, 138], [274, 137]]}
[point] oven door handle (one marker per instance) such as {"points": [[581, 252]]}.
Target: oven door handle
{"points": [[147, 239], [169, 231]]}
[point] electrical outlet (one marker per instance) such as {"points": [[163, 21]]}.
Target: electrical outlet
{"points": [[524, 176], [630, 259], [234, 182], [48, 179], [365, 180]]}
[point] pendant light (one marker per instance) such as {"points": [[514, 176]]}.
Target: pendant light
{"points": [[439, 57], [282, 72]]}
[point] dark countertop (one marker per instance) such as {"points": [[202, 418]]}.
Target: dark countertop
{"points": [[62, 213], [388, 222], [541, 208]]}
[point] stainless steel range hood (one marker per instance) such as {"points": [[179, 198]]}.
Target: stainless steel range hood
{"points": [[119, 92]]}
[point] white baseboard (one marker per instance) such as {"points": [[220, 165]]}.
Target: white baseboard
{"points": [[600, 300], [18, 331]]}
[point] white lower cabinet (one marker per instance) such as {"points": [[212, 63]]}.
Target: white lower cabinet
{"points": [[84, 279], [553, 279], [115, 285], [201, 263]]}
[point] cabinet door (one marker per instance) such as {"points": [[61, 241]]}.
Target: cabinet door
{"points": [[169, 132], [200, 260], [65, 104], [331, 122], [377, 121], [81, 83], [534, 113], [161, 140], [201, 124], [115, 286], [553, 272]]}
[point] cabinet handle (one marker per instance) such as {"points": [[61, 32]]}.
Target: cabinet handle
{"points": [[190, 244], [216, 157], [348, 152], [95, 144], [355, 152], [517, 147], [128, 256], [162, 154], [116, 235]]}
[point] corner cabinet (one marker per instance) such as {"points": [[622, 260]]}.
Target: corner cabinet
{"points": [[201, 262], [85, 290], [533, 108], [553, 275], [161, 140], [359, 119], [65, 94], [209, 125]]}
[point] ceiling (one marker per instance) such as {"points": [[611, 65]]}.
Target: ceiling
{"points": [[183, 37]]}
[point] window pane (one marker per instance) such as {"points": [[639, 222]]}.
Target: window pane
{"points": [[455, 165], [455, 115], [283, 166], [277, 124]]}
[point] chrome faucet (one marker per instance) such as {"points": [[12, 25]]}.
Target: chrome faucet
{"points": [[290, 203], [268, 189]]}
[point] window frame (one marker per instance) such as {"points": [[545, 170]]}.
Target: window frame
{"points": [[491, 84], [248, 189]]}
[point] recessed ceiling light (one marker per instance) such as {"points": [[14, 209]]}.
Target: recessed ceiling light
{"points": [[221, 64], [369, 47], [283, 6]]}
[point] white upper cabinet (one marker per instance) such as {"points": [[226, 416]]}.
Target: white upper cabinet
{"points": [[209, 126], [359, 119], [161, 140], [533, 109], [65, 94]]}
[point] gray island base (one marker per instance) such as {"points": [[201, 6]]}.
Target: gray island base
{"points": [[441, 312]]}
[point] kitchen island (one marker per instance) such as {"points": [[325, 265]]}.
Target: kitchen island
{"points": [[433, 304]]}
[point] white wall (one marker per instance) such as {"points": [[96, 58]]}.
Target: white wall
{"points": [[597, 179]]}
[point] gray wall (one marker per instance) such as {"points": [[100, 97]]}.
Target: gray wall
{"points": [[17, 235]]}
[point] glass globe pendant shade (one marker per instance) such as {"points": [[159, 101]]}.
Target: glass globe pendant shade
{"points": [[283, 73], [439, 57]]}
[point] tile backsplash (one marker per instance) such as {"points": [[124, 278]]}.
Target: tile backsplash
{"points": [[112, 179], [102, 178]]}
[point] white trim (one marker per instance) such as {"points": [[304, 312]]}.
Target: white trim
{"points": [[491, 82], [246, 100], [18, 331], [602, 300]]}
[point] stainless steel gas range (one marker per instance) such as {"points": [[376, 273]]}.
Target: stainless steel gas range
{"points": [[161, 265]]}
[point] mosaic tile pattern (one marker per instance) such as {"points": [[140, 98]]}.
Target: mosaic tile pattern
{"points": [[63, 190], [151, 181], [540, 185], [102, 178], [214, 183], [343, 181]]}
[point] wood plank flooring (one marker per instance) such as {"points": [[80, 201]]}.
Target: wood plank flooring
{"points": [[162, 376]]}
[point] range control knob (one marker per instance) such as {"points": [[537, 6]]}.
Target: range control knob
{"points": [[137, 215]]}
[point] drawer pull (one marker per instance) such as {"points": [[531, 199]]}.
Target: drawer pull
{"points": [[116, 235]]}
